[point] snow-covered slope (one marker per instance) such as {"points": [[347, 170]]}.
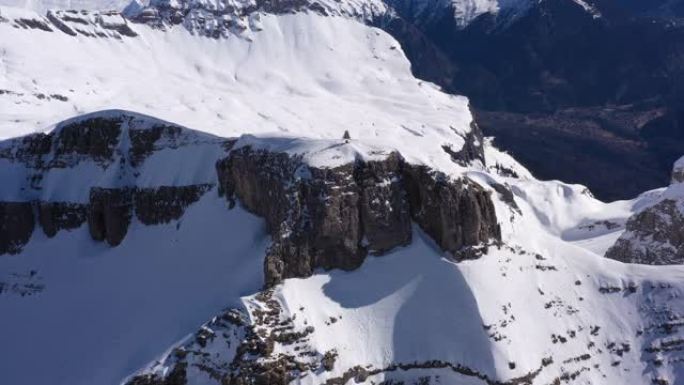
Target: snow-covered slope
{"points": [[536, 304], [302, 75], [543, 308]]}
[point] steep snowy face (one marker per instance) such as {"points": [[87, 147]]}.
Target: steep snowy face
{"points": [[303, 75], [145, 186]]}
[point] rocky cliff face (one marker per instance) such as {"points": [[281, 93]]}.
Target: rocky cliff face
{"points": [[333, 217], [16, 226], [328, 217], [56, 216], [655, 236], [110, 24], [116, 145], [224, 18]]}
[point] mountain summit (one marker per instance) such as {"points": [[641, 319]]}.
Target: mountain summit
{"points": [[264, 193]]}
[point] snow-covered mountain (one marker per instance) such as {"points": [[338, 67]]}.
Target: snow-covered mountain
{"points": [[289, 204]]}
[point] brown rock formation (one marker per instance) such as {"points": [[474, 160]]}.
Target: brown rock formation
{"points": [[109, 214], [332, 217], [16, 226]]}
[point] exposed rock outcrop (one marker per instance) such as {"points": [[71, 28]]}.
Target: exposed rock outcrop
{"points": [[472, 149], [224, 18], [107, 24], [655, 235], [56, 216], [385, 211], [164, 204], [109, 214], [311, 213], [678, 171], [16, 226], [110, 210], [104, 138], [459, 215], [116, 142], [332, 217]]}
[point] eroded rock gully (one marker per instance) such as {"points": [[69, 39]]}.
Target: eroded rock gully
{"points": [[333, 217]]}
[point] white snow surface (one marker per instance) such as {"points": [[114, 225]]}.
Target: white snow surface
{"points": [[303, 75], [296, 86], [105, 312]]}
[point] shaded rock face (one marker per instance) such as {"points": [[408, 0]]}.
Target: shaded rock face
{"points": [[385, 212], [115, 141], [654, 236], [109, 214], [333, 217], [56, 216], [472, 148], [110, 210], [16, 226], [678, 171], [312, 214], [458, 215], [95, 138], [164, 204], [107, 24], [99, 138], [88, 139]]}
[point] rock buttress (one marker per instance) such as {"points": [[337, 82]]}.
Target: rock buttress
{"points": [[459, 215], [655, 235], [333, 217], [56, 216], [109, 214], [16, 226]]}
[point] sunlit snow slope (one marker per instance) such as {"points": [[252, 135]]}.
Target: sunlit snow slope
{"points": [[543, 307], [302, 75]]}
